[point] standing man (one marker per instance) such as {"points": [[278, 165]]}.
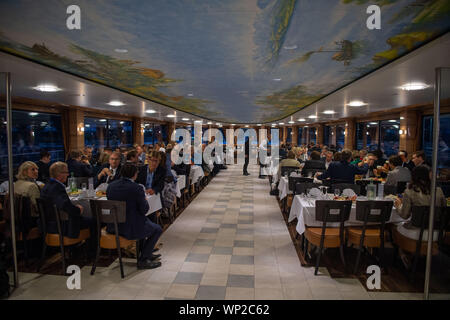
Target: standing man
{"points": [[247, 153]]}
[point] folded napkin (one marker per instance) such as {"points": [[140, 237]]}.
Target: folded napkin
{"points": [[348, 193], [102, 187], [314, 192]]}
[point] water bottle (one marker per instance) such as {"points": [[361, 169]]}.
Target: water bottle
{"points": [[73, 185], [91, 191], [380, 191], [371, 191]]}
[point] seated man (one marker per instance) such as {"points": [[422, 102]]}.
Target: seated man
{"points": [[343, 171], [314, 164], [111, 171], [371, 161], [44, 165], [77, 166], [54, 192], [289, 162], [152, 176], [136, 226], [397, 173]]}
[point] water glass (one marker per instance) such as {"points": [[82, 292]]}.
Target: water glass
{"points": [[337, 192], [83, 186]]}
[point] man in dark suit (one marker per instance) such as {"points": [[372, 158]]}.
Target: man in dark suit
{"points": [[78, 167], [152, 176], [44, 166], [109, 172], [137, 226], [343, 171], [54, 192], [247, 156], [314, 164], [406, 163]]}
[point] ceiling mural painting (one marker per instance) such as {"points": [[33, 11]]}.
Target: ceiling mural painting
{"points": [[252, 61]]}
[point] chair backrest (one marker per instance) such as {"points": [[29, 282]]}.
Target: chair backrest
{"points": [[80, 180], [342, 186], [390, 189], [109, 211], [401, 186], [287, 170], [420, 218], [304, 186], [324, 207], [311, 172], [294, 180], [48, 212], [373, 211], [22, 212]]}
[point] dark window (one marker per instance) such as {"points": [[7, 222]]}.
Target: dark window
{"points": [[444, 139], [31, 132], [312, 135], [300, 136], [289, 135], [389, 137], [100, 133], [340, 137], [327, 135]]}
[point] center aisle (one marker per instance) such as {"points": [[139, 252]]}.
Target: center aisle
{"points": [[230, 243]]}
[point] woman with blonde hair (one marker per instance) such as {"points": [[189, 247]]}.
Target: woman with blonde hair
{"points": [[26, 183]]}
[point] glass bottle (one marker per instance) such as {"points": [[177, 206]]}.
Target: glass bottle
{"points": [[371, 191], [73, 185]]}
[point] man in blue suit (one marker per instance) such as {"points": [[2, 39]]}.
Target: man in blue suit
{"points": [[137, 226], [343, 171]]}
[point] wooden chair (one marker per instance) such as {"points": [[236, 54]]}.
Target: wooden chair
{"points": [[325, 237], [342, 186], [50, 213], [418, 247], [26, 228], [109, 211], [372, 237]]}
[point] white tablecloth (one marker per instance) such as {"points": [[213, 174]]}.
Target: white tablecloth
{"points": [[154, 201], [305, 211], [271, 169], [283, 186], [181, 184], [196, 174]]}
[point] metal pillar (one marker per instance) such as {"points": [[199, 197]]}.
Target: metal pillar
{"points": [[10, 173], [436, 123]]}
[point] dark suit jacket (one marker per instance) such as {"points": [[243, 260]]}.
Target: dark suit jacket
{"points": [[343, 171], [103, 179], [137, 225], [313, 165], [410, 165], [55, 193], [180, 169], [79, 169], [44, 174], [158, 178]]}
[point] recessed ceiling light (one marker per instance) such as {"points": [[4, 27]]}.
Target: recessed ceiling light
{"points": [[198, 121], [277, 79], [312, 116], [209, 122], [329, 112], [185, 119], [281, 123], [291, 121], [402, 118], [150, 111], [102, 120], [301, 120], [33, 114], [233, 124], [305, 126], [246, 125], [259, 125], [373, 123], [356, 103], [392, 120], [121, 50], [116, 103], [414, 86], [47, 88], [170, 116]]}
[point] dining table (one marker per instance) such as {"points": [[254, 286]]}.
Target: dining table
{"points": [[196, 174], [154, 202], [304, 209]]}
